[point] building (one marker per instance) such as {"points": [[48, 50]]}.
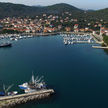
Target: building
{"points": [[68, 29], [76, 30], [75, 26], [103, 30]]}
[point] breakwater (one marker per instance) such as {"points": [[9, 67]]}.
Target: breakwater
{"points": [[9, 101], [99, 47]]}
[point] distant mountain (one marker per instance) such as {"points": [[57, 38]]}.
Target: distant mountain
{"points": [[10, 9]]}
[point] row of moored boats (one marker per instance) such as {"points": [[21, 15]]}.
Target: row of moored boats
{"points": [[71, 39]]}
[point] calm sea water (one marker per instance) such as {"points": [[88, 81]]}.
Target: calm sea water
{"points": [[78, 73]]}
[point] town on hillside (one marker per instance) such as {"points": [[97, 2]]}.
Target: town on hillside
{"points": [[49, 23]]}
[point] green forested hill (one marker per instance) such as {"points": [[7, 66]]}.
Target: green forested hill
{"points": [[101, 14], [15, 10], [9, 9]]}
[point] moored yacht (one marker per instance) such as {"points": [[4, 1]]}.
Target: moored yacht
{"points": [[6, 44]]}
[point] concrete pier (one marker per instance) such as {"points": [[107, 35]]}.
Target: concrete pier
{"points": [[9, 101]]}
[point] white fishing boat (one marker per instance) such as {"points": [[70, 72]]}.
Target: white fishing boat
{"points": [[34, 85]]}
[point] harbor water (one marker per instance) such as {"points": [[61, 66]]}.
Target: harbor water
{"points": [[78, 73]]}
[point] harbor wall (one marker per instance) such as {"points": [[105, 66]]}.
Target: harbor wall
{"points": [[10, 101], [99, 47]]}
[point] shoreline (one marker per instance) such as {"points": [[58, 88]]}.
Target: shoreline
{"points": [[98, 39], [27, 34]]}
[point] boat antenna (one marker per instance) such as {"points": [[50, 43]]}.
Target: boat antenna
{"points": [[6, 90], [36, 78], [40, 79]]}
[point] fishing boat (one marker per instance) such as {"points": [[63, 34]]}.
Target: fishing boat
{"points": [[34, 85]]}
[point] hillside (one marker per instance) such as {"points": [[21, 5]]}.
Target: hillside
{"points": [[62, 7], [16, 10], [99, 14], [10, 9]]}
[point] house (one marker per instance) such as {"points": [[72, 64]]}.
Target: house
{"points": [[68, 29], [49, 29], [100, 25], [94, 32], [75, 26], [103, 30], [27, 30], [76, 30], [59, 27], [86, 28], [82, 29]]}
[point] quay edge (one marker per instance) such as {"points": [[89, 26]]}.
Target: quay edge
{"points": [[10, 101]]}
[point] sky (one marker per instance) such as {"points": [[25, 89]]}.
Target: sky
{"points": [[83, 4]]}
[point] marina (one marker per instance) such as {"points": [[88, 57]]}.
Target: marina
{"points": [[74, 39]]}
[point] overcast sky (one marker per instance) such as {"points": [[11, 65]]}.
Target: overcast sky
{"points": [[84, 4]]}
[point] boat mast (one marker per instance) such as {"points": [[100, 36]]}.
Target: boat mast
{"points": [[33, 80]]}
